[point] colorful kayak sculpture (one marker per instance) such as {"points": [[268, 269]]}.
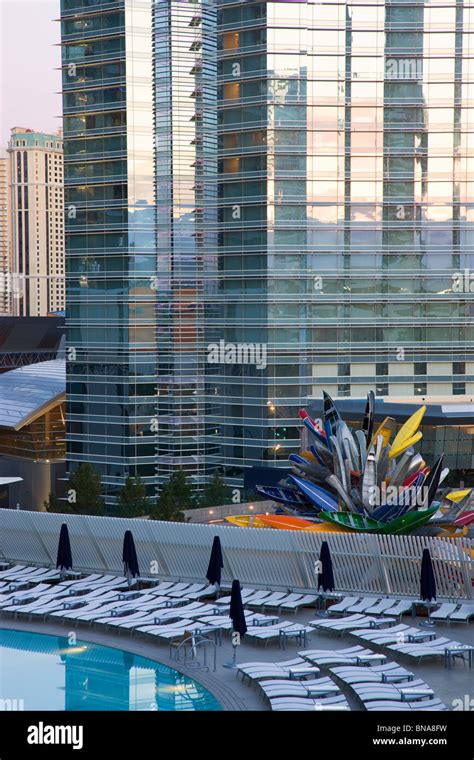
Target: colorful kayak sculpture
{"points": [[368, 480]]}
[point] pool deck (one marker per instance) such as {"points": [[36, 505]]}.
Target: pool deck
{"points": [[451, 684]]}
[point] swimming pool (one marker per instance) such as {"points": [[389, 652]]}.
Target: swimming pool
{"points": [[42, 672]]}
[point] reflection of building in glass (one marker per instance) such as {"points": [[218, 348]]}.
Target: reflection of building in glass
{"points": [[27, 340], [110, 237], [344, 147], [186, 189], [333, 231]]}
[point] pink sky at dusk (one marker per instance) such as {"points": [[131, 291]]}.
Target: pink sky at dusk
{"points": [[28, 62]]}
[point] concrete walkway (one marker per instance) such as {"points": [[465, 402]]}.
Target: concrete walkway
{"points": [[449, 684]]}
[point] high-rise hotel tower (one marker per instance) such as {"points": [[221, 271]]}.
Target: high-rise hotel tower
{"points": [[270, 198]]}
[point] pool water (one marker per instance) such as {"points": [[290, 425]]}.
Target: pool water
{"points": [[41, 672]]}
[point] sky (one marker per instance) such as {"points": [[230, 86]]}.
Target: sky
{"points": [[29, 81]]}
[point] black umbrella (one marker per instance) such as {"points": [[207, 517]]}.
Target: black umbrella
{"points": [[216, 564], [325, 576], [237, 615], [129, 557], [427, 581], [64, 558], [427, 578]]}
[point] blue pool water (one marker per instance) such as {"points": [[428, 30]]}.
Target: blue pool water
{"points": [[39, 672]]}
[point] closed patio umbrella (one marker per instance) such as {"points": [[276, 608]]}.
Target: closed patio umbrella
{"points": [[427, 582], [64, 557], [237, 615], [216, 563], [129, 557], [325, 575]]}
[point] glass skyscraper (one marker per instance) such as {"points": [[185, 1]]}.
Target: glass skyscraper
{"points": [[344, 145], [299, 194], [110, 238]]}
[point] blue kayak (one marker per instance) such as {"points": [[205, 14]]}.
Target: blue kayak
{"points": [[316, 495]]}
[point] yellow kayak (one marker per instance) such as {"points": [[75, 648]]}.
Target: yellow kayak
{"points": [[385, 429], [395, 451], [309, 456], [246, 521], [457, 496], [407, 432]]}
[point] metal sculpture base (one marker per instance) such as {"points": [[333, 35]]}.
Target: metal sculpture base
{"points": [[232, 665], [428, 623]]}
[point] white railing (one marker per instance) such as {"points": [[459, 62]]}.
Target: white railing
{"points": [[365, 563]]}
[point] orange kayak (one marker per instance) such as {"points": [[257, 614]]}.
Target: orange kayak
{"points": [[325, 527], [285, 522]]}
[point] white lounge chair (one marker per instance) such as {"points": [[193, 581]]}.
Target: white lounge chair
{"points": [[247, 594], [316, 687], [462, 615], [171, 631], [258, 601], [397, 634], [206, 591], [350, 656], [299, 704], [52, 605], [350, 624], [363, 604], [401, 608], [388, 673], [14, 570], [268, 632], [343, 605], [391, 706], [443, 612], [436, 648], [381, 608], [407, 691], [277, 603], [307, 600], [87, 579], [252, 669], [13, 597]]}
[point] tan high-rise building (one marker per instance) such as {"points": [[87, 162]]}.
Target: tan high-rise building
{"points": [[37, 222], [5, 236]]}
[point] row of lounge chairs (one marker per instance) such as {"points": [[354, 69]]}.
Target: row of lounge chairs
{"points": [[292, 685], [405, 640], [451, 612], [263, 599], [165, 611]]}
